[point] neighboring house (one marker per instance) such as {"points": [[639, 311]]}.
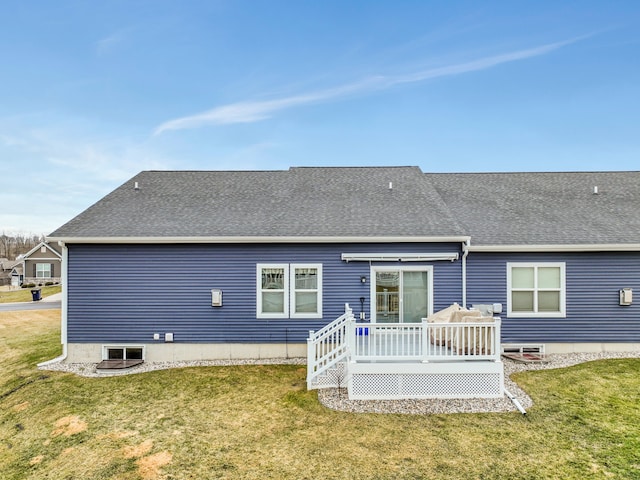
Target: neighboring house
{"points": [[17, 274], [5, 271], [206, 265], [11, 272], [42, 264]]}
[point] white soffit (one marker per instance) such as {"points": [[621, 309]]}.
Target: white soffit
{"points": [[399, 257]]}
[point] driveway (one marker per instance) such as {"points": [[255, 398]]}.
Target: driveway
{"points": [[47, 303]]}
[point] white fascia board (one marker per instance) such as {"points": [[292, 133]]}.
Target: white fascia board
{"points": [[399, 257], [257, 239], [602, 247]]}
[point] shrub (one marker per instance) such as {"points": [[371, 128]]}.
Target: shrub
{"points": [[46, 284], [28, 285]]}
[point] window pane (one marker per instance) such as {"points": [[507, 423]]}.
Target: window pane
{"points": [[306, 278], [115, 354], [134, 354], [415, 296], [306, 302], [522, 301], [273, 302], [273, 278], [548, 277], [522, 277], [548, 301]]}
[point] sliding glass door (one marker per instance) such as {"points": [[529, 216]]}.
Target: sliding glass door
{"points": [[402, 294]]}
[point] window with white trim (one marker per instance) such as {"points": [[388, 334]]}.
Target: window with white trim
{"points": [[306, 290], [43, 270], [536, 289], [113, 352], [289, 290]]}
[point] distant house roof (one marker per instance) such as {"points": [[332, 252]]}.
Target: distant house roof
{"points": [[566, 208], [308, 202], [500, 210], [11, 264], [53, 249]]}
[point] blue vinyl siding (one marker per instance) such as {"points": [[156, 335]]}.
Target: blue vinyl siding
{"points": [[126, 293], [592, 284]]}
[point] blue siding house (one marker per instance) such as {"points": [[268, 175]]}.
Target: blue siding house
{"points": [[176, 265]]}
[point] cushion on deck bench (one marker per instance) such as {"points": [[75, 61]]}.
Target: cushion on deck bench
{"points": [[474, 340], [441, 316]]}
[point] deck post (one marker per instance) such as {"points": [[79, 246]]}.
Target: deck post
{"points": [[425, 340], [351, 338], [496, 339], [311, 358]]}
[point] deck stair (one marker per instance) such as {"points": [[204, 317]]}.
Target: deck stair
{"points": [[327, 351], [414, 360]]}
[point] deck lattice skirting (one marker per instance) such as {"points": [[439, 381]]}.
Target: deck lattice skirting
{"points": [[397, 361]]}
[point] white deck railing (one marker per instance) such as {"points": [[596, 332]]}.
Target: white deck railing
{"points": [[328, 346], [345, 340], [426, 342]]}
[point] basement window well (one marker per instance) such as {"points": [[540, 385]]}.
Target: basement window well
{"points": [[120, 357]]}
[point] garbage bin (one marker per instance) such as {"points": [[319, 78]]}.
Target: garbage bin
{"points": [[36, 294]]}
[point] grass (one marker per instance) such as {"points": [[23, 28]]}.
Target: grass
{"points": [[24, 294], [256, 422]]}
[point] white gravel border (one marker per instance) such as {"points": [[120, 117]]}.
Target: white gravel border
{"points": [[336, 399]]}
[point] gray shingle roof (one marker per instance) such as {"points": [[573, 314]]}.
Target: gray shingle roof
{"points": [[544, 208], [299, 202], [492, 208]]}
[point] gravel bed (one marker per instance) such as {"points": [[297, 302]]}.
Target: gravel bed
{"points": [[336, 399], [89, 369]]}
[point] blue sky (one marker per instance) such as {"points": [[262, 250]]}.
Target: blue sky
{"points": [[94, 92]]}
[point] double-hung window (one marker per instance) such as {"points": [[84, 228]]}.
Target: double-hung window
{"points": [[536, 290], [289, 290], [43, 270]]}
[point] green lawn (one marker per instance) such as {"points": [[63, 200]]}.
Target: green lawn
{"points": [[259, 422], [24, 294]]}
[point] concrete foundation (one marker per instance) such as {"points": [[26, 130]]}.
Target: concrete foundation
{"points": [[175, 352]]}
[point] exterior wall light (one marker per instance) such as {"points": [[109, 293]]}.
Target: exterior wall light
{"points": [[363, 279]]}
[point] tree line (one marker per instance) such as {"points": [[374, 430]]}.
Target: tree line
{"points": [[13, 245]]}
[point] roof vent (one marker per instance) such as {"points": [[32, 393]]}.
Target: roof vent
{"points": [[595, 190], [390, 185], [135, 186]]}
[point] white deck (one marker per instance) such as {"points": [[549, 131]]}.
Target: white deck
{"points": [[391, 361]]}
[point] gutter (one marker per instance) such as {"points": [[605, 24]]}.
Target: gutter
{"points": [[600, 247], [64, 277], [259, 239]]}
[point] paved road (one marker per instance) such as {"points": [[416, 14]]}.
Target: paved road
{"points": [[7, 307], [47, 303]]}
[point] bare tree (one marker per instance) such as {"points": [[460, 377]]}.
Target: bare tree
{"points": [[13, 245]]}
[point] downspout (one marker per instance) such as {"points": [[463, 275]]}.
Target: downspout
{"points": [[465, 251], [515, 401], [63, 311]]}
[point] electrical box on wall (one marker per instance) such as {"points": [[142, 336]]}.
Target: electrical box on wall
{"points": [[626, 296], [216, 297]]}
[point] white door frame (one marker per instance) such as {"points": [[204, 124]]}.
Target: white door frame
{"points": [[399, 268]]}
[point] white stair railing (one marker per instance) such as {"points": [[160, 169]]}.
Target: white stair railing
{"points": [[328, 346]]}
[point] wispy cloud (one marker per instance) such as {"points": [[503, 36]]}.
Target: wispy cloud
{"points": [[108, 44], [248, 112]]}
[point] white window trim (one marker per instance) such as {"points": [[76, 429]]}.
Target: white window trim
{"points": [[403, 268], [318, 290], [259, 268], [106, 348], [563, 290], [39, 271]]}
